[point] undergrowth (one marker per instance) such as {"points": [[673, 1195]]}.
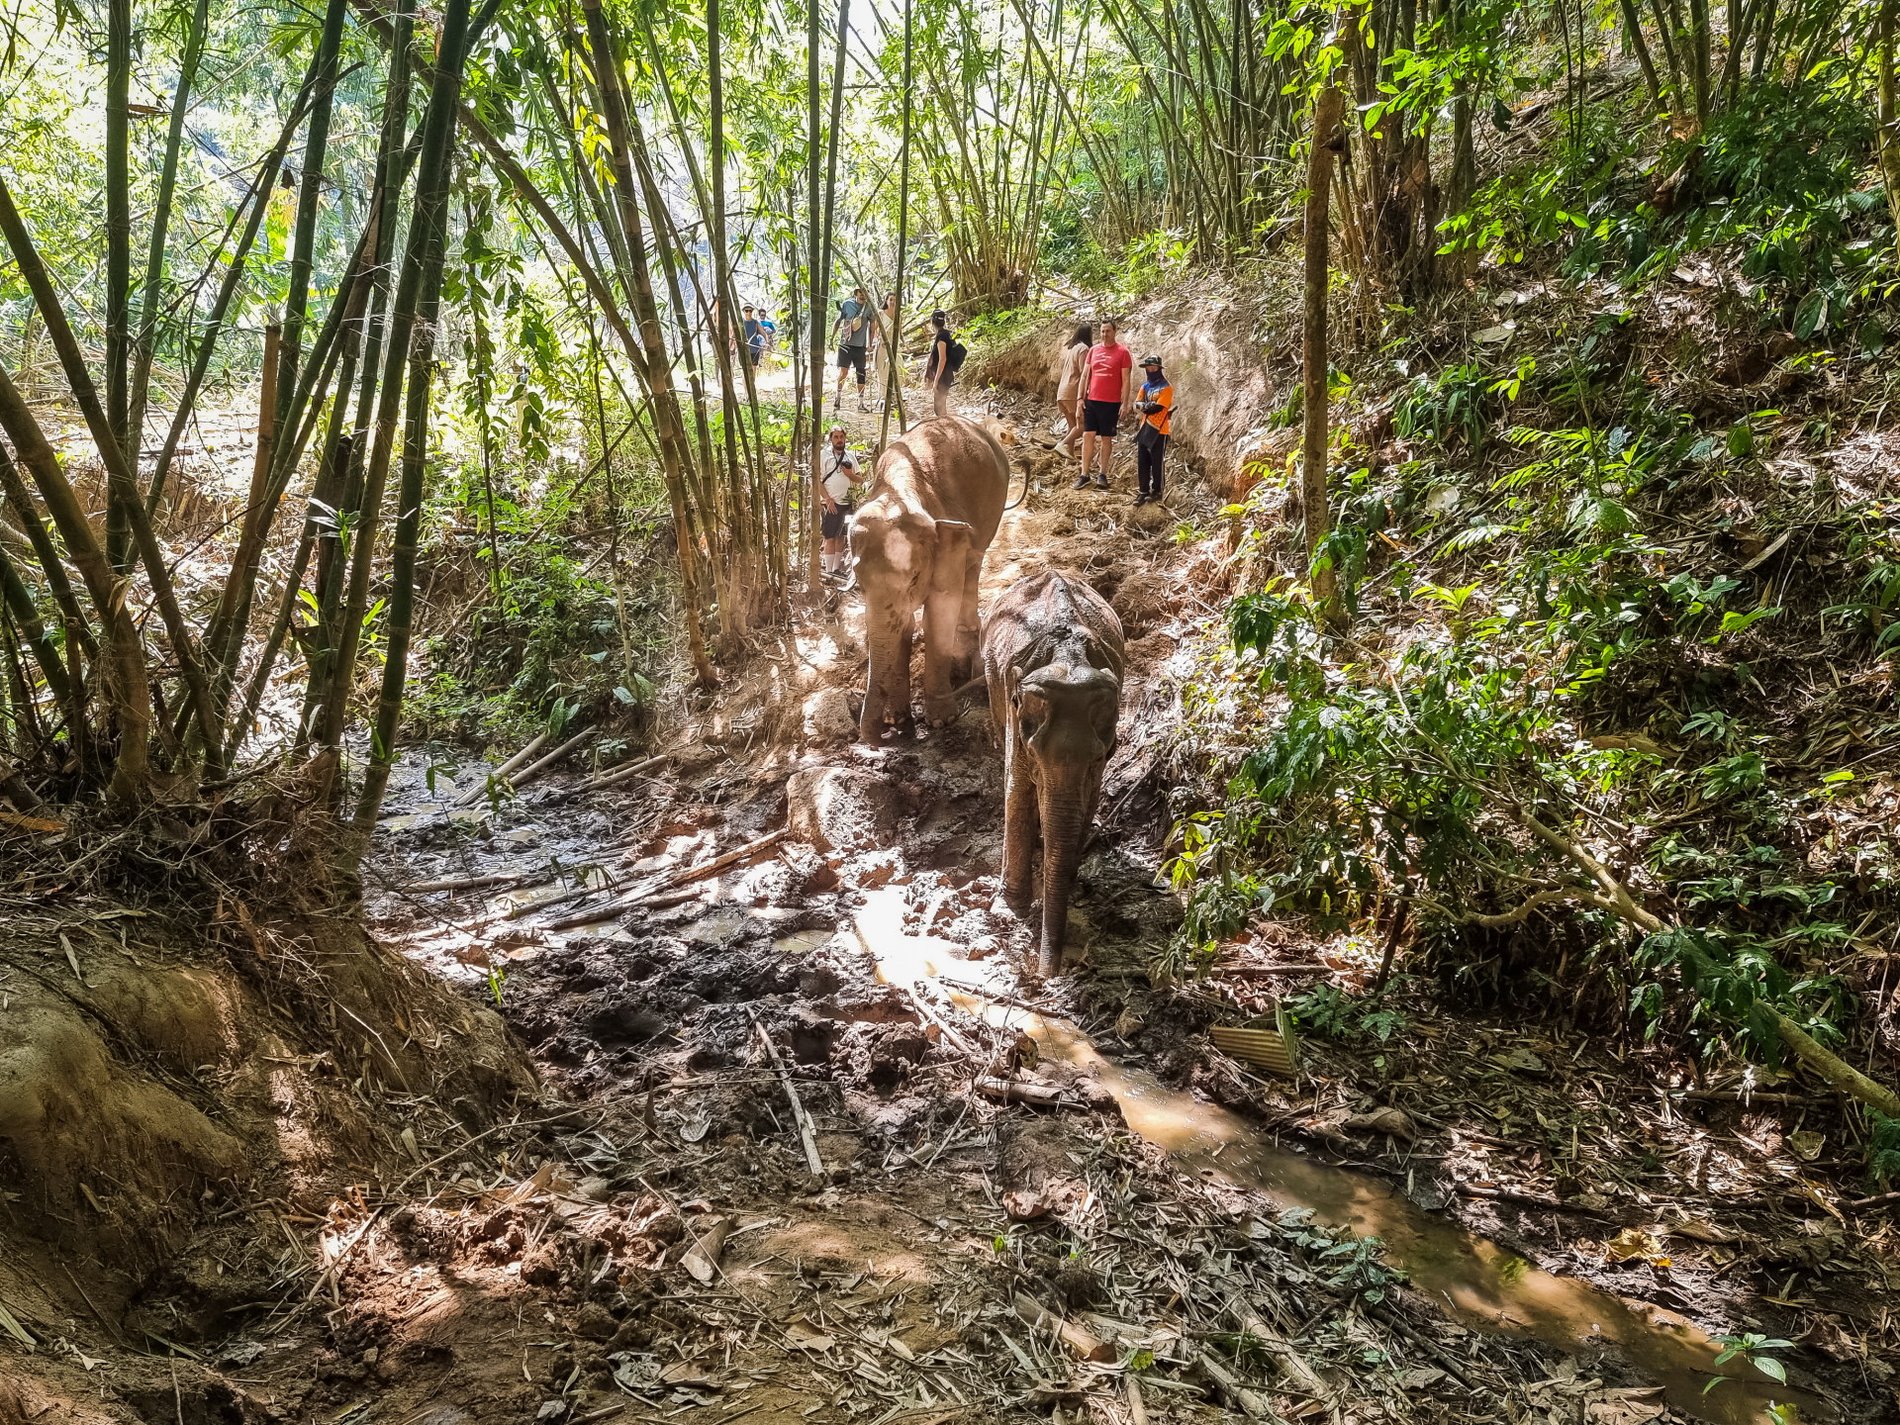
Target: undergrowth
{"points": [[1604, 601]]}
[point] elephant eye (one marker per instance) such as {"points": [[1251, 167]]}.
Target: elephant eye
{"points": [[1030, 712]]}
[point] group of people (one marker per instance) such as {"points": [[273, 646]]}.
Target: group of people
{"points": [[867, 341], [1095, 386]]}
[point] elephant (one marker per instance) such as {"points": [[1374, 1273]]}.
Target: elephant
{"points": [[919, 538], [1052, 657]]}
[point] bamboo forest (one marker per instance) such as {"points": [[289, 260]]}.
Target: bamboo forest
{"points": [[949, 712]]}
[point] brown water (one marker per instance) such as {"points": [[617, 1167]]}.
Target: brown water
{"points": [[1477, 1281]]}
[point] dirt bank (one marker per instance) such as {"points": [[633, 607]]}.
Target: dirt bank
{"points": [[1229, 345], [188, 1085]]}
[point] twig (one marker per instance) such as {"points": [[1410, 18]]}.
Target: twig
{"points": [[806, 1134], [1879, 1199]]}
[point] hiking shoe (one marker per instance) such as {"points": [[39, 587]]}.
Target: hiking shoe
{"points": [[1081, 482], [1140, 500], [1101, 482]]}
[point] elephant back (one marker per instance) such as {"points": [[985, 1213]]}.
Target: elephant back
{"points": [[949, 469], [1050, 617]]}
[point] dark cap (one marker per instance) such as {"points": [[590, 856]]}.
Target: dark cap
{"points": [[1150, 361], [940, 315]]}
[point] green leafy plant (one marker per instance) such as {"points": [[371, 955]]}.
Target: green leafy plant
{"points": [[1754, 1349]]}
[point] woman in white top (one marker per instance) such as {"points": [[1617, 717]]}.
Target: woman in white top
{"points": [[1069, 367], [884, 334]]}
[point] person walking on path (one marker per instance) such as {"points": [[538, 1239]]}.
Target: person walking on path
{"points": [[853, 333], [940, 367], [1109, 382], [884, 352], [837, 472], [1151, 439], [754, 336], [1069, 371]]}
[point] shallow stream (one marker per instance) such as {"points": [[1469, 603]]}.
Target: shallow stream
{"points": [[1477, 1281]]}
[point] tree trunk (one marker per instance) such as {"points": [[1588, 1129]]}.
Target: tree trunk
{"points": [[1313, 353], [151, 292], [413, 341], [1888, 128], [651, 362], [127, 691], [118, 99]]}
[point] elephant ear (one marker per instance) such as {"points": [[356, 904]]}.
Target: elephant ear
{"points": [[955, 540]]}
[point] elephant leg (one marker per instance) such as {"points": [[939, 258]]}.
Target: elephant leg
{"points": [[889, 653], [940, 651], [1020, 820], [902, 717], [969, 625]]}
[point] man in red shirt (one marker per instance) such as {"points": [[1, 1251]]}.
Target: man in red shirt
{"points": [[1108, 383]]}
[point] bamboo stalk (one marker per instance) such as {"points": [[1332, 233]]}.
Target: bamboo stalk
{"points": [[143, 341], [413, 343], [1313, 352]]}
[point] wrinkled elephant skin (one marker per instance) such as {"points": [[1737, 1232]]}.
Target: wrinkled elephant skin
{"points": [[1052, 657], [935, 502]]}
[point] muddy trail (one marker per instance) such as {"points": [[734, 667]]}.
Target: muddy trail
{"points": [[812, 1147], [851, 1165]]}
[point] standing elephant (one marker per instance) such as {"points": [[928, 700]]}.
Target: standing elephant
{"points": [[1052, 655], [935, 502]]}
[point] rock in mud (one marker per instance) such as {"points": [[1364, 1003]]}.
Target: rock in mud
{"points": [[827, 718], [841, 809]]}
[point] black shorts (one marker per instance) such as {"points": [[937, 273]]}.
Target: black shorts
{"points": [[832, 523], [852, 356], [1101, 417]]}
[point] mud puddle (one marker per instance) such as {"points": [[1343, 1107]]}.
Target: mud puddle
{"points": [[1479, 1282]]}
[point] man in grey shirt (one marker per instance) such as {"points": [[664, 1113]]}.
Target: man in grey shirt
{"points": [[853, 333]]}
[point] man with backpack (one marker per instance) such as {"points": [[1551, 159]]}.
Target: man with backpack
{"points": [[946, 358], [1108, 385], [853, 332]]}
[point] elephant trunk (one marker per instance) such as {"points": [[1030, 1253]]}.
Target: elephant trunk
{"points": [[1065, 806]]}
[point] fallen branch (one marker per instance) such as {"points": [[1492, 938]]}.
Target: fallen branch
{"points": [[475, 794], [1835, 1071], [535, 769], [651, 896], [1610, 895], [487, 881], [1527, 1199], [606, 779], [807, 1134], [1019, 1091], [719, 863], [1299, 1374], [1084, 1343]]}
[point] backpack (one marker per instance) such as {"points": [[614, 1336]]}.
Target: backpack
{"points": [[957, 353]]}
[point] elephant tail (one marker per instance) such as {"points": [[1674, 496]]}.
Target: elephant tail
{"points": [[1021, 497]]}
